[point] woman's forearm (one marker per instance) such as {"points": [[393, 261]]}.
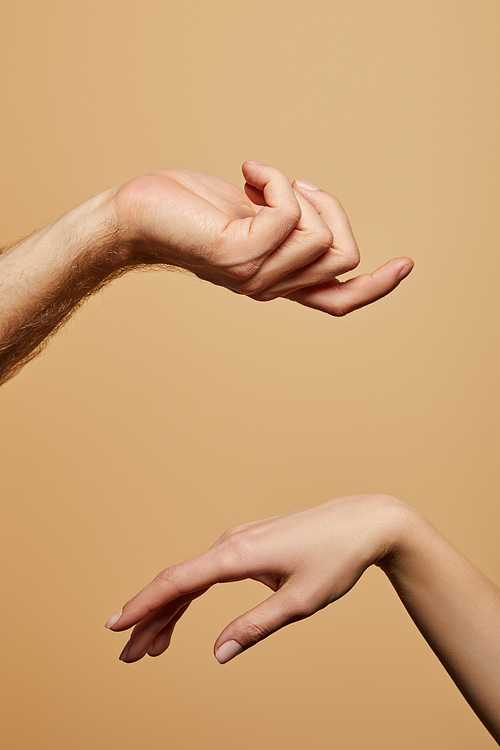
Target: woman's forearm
{"points": [[455, 607], [313, 556]]}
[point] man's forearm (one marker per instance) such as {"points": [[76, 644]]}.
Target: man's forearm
{"points": [[295, 246], [44, 277], [457, 610]]}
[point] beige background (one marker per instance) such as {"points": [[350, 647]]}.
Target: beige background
{"points": [[168, 410]]}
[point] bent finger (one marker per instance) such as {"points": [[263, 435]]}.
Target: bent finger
{"points": [[255, 195], [332, 212], [162, 639], [309, 240], [325, 268], [280, 609], [169, 585], [144, 636], [274, 222]]}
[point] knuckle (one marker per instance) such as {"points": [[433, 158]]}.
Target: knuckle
{"points": [[232, 531], [344, 266], [299, 606], [253, 632], [336, 202], [240, 545], [258, 288], [253, 287], [319, 238], [348, 258], [170, 577], [325, 238], [353, 257], [337, 310], [263, 296], [242, 273], [292, 213], [224, 537]]}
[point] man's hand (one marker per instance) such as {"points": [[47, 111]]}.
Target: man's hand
{"points": [[273, 240]]}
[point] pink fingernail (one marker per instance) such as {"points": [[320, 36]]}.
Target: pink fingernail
{"points": [[227, 651], [405, 271], [306, 185], [113, 619], [124, 653], [258, 163]]}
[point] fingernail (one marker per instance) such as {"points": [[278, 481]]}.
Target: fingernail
{"points": [[405, 271], [306, 185], [258, 163], [124, 653], [113, 619], [227, 651]]}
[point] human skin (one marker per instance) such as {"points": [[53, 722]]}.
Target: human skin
{"points": [[310, 558], [272, 239]]}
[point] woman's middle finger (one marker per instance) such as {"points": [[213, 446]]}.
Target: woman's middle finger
{"points": [[145, 632]]}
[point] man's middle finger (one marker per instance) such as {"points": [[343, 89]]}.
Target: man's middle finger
{"points": [[310, 239]]}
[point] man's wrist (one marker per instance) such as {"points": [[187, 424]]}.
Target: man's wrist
{"points": [[136, 239], [92, 235], [44, 277]]}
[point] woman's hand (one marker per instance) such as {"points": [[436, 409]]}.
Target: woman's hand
{"points": [[273, 240], [308, 558]]}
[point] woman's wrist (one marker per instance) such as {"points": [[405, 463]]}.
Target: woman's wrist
{"points": [[404, 525], [411, 538]]}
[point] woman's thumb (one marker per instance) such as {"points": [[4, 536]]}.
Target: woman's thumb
{"points": [[280, 609]]}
